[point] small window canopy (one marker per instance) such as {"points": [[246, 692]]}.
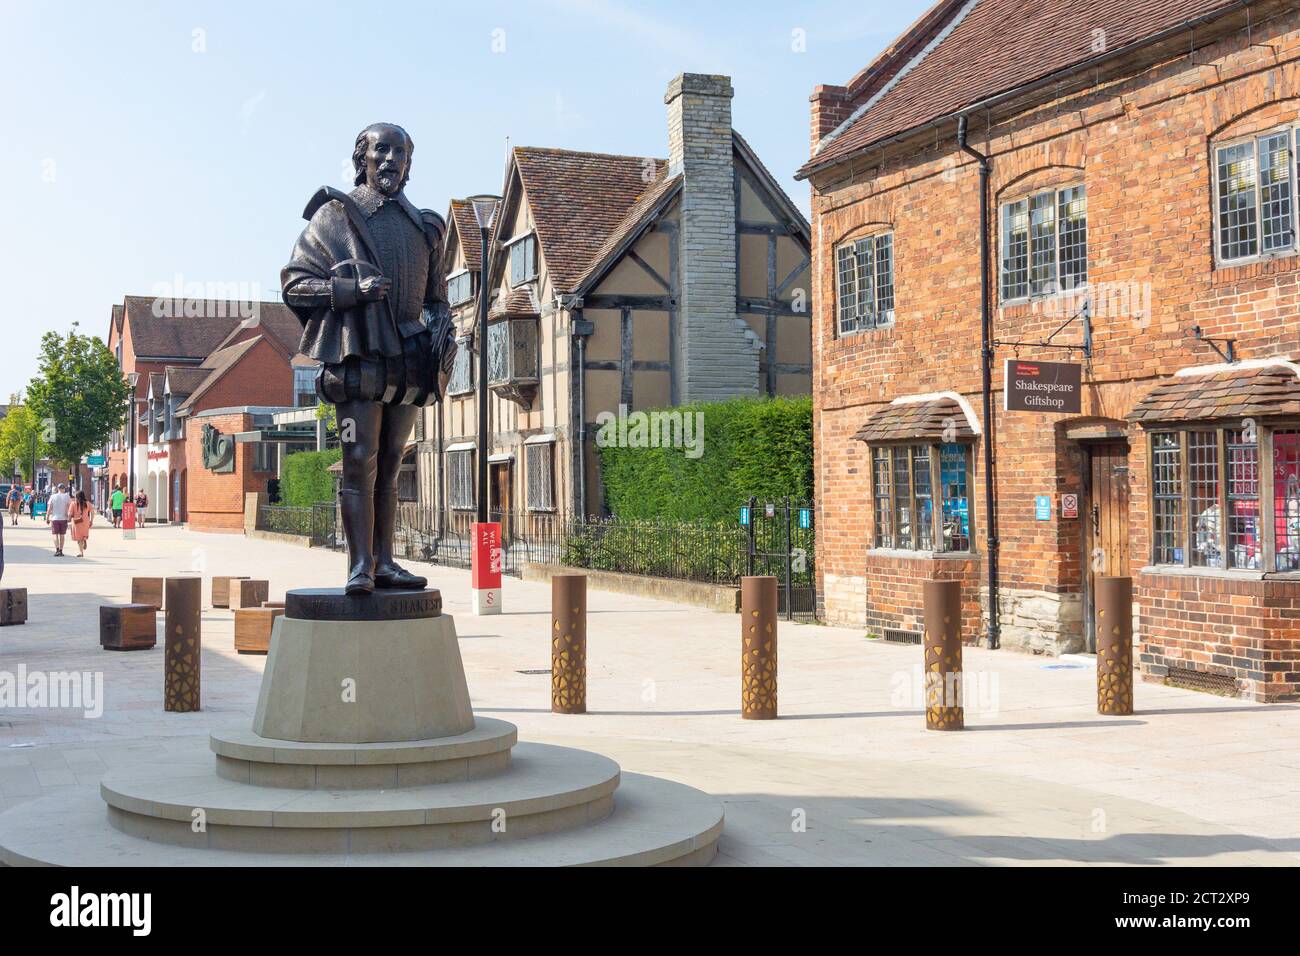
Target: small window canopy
{"points": [[939, 417], [1219, 391]]}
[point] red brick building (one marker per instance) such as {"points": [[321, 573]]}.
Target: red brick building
{"points": [[1141, 201], [188, 357]]}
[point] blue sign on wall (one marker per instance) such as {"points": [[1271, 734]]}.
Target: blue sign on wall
{"points": [[1043, 507]]}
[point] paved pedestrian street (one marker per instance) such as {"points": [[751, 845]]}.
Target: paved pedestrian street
{"points": [[847, 775]]}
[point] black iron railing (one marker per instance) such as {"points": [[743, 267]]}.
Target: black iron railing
{"points": [[772, 539]]}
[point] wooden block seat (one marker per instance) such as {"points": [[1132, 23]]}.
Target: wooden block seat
{"points": [[253, 627], [13, 606], [147, 591], [247, 593], [128, 627], [221, 588]]}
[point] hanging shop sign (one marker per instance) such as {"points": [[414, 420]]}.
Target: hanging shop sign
{"points": [[1054, 387]]}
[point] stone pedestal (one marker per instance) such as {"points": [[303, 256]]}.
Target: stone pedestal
{"points": [[363, 670], [364, 752]]}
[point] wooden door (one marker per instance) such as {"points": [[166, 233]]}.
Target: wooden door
{"points": [[1106, 520]]}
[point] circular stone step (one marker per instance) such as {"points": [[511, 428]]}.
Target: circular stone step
{"points": [[655, 823], [244, 757], [547, 788]]}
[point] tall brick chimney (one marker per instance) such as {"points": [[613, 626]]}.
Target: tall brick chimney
{"points": [[717, 354]]}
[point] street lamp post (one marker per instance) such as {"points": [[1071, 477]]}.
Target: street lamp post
{"points": [[485, 568], [485, 211]]}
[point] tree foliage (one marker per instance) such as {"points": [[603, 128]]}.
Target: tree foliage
{"points": [[20, 442], [759, 447], [78, 397]]}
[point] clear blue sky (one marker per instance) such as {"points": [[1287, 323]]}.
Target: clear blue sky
{"points": [[137, 150]]}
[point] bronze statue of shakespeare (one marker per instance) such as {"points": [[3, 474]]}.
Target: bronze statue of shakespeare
{"points": [[365, 281]]}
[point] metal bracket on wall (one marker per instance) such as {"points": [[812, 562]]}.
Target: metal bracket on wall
{"points": [[1230, 356], [1084, 313]]}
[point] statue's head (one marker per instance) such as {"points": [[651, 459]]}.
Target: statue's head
{"points": [[382, 157]]}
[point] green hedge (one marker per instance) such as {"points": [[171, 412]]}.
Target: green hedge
{"points": [[304, 479], [760, 447]]}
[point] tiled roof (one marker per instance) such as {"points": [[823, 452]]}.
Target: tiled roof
{"points": [[175, 336], [517, 303], [939, 418], [578, 200], [467, 232], [217, 364], [642, 210], [185, 379], [1233, 393], [277, 321], [990, 47]]}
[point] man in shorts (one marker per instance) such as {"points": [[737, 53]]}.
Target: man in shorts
{"points": [[115, 503], [60, 503]]}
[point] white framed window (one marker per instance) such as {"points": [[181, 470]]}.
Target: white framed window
{"points": [[460, 479], [461, 381], [1044, 243], [523, 259], [540, 476], [460, 287], [864, 270], [1254, 196]]}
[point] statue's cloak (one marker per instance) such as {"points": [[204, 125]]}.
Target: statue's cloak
{"points": [[337, 243]]}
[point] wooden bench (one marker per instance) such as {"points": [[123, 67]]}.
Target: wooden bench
{"points": [[13, 606], [147, 591], [253, 626], [128, 627], [221, 589], [247, 593]]}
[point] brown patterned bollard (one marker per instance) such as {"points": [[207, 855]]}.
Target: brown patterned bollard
{"points": [[942, 650], [183, 598], [1114, 630], [569, 644], [758, 611]]}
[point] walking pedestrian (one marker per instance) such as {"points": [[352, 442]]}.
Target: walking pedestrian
{"points": [[15, 503], [115, 503], [29, 503], [82, 516], [57, 514], [141, 505]]}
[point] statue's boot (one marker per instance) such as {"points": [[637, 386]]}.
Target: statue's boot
{"points": [[358, 521], [387, 573]]}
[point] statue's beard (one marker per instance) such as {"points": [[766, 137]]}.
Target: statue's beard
{"points": [[387, 182]]}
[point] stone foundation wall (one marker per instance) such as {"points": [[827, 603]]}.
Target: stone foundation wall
{"points": [[1040, 622]]}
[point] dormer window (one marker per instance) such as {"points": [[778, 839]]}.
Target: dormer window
{"points": [[460, 288], [523, 259]]}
